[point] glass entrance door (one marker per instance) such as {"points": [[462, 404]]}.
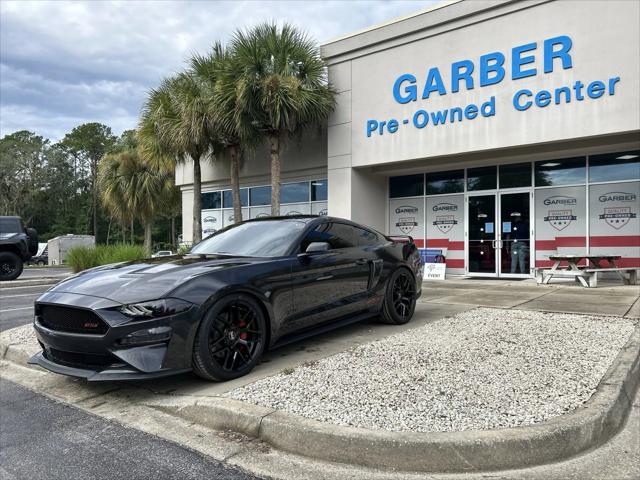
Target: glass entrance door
{"points": [[482, 239], [515, 234], [499, 234]]}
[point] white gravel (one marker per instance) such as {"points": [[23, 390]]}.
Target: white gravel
{"points": [[482, 369]]}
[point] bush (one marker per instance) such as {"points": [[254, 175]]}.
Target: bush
{"points": [[82, 258]]}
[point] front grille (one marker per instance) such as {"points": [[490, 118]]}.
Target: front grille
{"points": [[80, 360], [68, 319]]}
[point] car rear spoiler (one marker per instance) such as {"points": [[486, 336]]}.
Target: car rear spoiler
{"points": [[401, 238]]}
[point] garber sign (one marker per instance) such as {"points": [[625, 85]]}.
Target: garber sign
{"points": [[489, 70]]}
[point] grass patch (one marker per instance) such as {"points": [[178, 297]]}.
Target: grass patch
{"points": [[82, 258]]}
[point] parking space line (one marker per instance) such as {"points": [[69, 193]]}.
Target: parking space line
{"points": [[21, 295], [15, 309]]}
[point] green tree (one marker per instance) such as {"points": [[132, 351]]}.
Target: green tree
{"points": [[175, 128], [88, 143], [281, 84], [22, 159]]}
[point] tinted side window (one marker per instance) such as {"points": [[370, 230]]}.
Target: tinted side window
{"points": [[366, 238], [337, 235]]}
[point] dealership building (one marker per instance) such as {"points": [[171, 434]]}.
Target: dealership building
{"points": [[496, 133]]}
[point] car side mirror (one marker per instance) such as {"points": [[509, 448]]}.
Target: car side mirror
{"points": [[315, 247]]}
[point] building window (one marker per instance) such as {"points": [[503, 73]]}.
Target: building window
{"points": [[482, 178], [406, 186], [227, 198], [568, 171], [319, 190], [451, 181], [294, 192], [211, 200], [516, 175], [614, 166], [260, 195]]}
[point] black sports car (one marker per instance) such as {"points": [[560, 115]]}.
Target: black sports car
{"points": [[215, 310]]}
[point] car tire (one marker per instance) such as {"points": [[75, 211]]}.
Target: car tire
{"points": [[10, 266], [230, 339], [41, 263], [399, 298]]}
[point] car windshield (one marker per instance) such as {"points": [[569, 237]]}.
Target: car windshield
{"points": [[10, 225], [264, 238]]}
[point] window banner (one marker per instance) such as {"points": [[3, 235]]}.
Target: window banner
{"points": [[614, 227], [295, 209], [228, 217], [259, 212], [445, 229], [561, 224], [211, 222], [319, 208], [406, 217]]}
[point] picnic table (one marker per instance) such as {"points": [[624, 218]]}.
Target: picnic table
{"points": [[587, 275]]}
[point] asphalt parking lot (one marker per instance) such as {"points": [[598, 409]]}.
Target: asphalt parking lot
{"points": [[16, 301], [16, 305]]}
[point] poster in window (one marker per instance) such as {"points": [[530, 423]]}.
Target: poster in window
{"points": [[406, 217], [211, 222]]}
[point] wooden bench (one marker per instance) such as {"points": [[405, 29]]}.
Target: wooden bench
{"points": [[632, 279]]}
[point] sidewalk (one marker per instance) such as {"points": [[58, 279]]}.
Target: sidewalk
{"points": [[611, 298]]}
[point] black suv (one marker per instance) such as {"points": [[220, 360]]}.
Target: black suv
{"points": [[17, 245]]}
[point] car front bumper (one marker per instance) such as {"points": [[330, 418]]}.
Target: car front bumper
{"points": [[127, 350]]}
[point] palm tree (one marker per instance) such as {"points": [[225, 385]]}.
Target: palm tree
{"points": [[233, 133], [130, 186], [281, 85], [174, 128], [112, 189]]}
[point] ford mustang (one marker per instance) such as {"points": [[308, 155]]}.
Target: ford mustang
{"points": [[215, 310]]}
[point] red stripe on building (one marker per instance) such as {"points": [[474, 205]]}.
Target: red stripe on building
{"points": [[455, 262], [419, 242], [561, 242], [614, 241], [444, 243]]}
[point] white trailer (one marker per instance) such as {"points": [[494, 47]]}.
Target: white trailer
{"points": [[59, 247]]}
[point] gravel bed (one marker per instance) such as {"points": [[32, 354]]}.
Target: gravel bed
{"points": [[482, 369]]}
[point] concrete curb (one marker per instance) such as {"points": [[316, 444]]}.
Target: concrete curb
{"points": [[32, 283], [470, 451]]}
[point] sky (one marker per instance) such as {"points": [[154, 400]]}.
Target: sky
{"points": [[66, 63]]}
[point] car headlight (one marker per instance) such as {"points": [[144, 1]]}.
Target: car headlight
{"points": [[155, 308]]}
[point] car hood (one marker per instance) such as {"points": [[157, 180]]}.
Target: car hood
{"points": [[147, 279]]}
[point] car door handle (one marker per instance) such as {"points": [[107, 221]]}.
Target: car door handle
{"points": [[326, 277], [362, 261]]}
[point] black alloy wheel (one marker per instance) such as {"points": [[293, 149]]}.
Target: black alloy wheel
{"points": [[230, 339], [10, 266], [400, 298]]}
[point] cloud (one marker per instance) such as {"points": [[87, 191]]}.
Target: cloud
{"points": [[65, 63]]}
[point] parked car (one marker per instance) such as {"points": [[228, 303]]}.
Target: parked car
{"points": [[162, 253], [215, 310], [41, 258], [17, 245]]}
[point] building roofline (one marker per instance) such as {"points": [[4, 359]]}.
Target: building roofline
{"points": [[435, 6], [435, 19]]}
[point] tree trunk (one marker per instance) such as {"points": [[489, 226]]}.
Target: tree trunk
{"points": [[132, 231], [94, 179], [197, 200], [109, 229], [173, 230], [274, 143], [148, 228], [123, 224], [235, 183]]}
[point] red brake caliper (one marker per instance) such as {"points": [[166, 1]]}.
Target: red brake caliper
{"points": [[243, 335]]}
